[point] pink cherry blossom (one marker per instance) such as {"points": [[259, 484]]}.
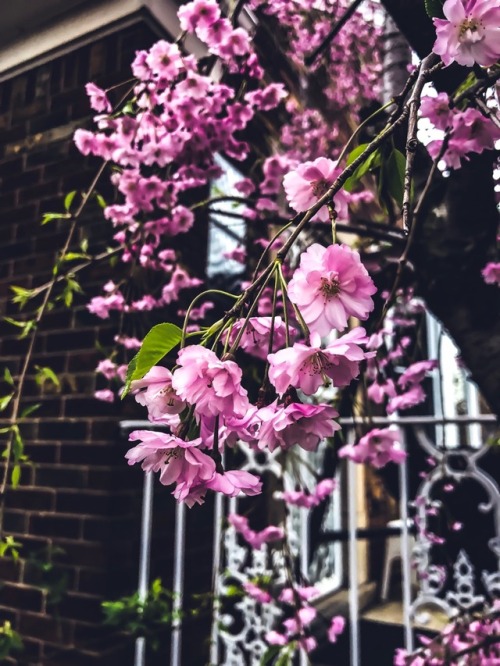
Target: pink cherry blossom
{"points": [[154, 391], [308, 182], [255, 539], [416, 373], [330, 285], [234, 482], [311, 498], [211, 385], [178, 461], [337, 626], [98, 99], [414, 396], [378, 447], [107, 368], [256, 592], [308, 367], [491, 273], [106, 395], [470, 33], [302, 424], [255, 338], [379, 391]]}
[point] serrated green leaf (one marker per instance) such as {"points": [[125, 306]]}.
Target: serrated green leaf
{"points": [[15, 476], [394, 170], [5, 401], [7, 377], [160, 340], [68, 200], [434, 8]]}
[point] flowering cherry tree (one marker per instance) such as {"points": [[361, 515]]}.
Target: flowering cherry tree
{"points": [[298, 314]]}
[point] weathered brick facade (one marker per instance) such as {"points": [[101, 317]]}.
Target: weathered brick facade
{"points": [[77, 494]]}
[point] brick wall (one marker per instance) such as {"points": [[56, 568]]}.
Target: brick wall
{"points": [[77, 494]]}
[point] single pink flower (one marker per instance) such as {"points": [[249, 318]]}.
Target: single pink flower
{"points": [[414, 396], [308, 367], [106, 395], [256, 592], [378, 447], [275, 638], [302, 424], [154, 391], [308, 182], [470, 33], [288, 595], [330, 285], [211, 385], [255, 338], [234, 482], [416, 373], [491, 273], [255, 539], [337, 626], [98, 99]]}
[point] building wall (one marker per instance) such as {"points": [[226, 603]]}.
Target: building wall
{"points": [[76, 494]]}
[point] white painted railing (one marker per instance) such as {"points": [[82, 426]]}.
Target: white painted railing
{"points": [[230, 557]]}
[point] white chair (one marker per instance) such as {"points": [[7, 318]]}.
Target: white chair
{"points": [[393, 551]]}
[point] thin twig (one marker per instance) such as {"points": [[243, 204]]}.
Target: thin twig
{"points": [[411, 138], [309, 59]]}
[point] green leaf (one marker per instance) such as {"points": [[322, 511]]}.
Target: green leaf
{"points": [[160, 340], [434, 8], [21, 295], [30, 409], [5, 401], [48, 217], [17, 445], [45, 374], [356, 152], [73, 256], [7, 377], [100, 200], [14, 322], [394, 171], [68, 200], [15, 476], [373, 161], [269, 655]]}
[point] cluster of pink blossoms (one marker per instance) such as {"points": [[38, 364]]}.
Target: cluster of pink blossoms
{"points": [[469, 130], [469, 640], [297, 628], [209, 389]]}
